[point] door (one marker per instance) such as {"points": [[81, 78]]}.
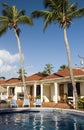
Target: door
{"points": [[61, 92]]}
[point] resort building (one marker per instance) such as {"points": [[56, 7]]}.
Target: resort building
{"points": [[56, 87]]}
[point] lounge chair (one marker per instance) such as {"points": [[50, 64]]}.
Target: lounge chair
{"points": [[26, 102], [37, 102], [45, 99], [13, 103]]}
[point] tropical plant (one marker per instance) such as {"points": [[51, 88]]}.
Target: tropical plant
{"points": [[2, 77], [62, 12], [20, 74], [48, 69], [62, 67], [11, 18], [81, 102]]}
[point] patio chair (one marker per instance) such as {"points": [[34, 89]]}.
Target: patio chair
{"points": [[26, 102], [37, 102], [13, 103]]}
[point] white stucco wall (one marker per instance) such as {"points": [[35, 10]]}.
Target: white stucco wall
{"points": [[65, 88], [52, 92], [18, 89], [81, 89], [46, 91]]}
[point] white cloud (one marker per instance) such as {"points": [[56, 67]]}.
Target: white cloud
{"points": [[8, 64], [1, 63], [5, 56]]}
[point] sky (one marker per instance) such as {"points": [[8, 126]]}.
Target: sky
{"points": [[39, 48]]}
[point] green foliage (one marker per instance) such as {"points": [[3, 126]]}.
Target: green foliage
{"points": [[38, 97], [62, 67], [81, 102], [59, 11], [2, 77], [11, 17], [48, 69], [20, 74]]}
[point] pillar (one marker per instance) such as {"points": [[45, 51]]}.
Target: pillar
{"points": [[41, 92], [34, 89], [56, 92]]}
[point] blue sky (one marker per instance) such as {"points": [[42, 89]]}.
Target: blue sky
{"points": [[38, 47]]}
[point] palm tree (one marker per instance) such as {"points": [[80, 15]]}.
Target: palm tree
{"points": [[48, 69], [20, 74], [2, 77], [10, 18], [62, 12], [62, 67]]}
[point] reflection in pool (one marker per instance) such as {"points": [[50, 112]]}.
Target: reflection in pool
{"points": [[41, 121]]}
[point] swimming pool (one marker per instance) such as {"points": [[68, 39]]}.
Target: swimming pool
{"points": [[42, 120]]}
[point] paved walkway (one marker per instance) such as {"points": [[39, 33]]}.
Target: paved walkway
{"points": [[44, 104]]}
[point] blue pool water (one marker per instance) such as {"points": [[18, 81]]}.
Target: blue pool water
{"points": [[41, 121]]}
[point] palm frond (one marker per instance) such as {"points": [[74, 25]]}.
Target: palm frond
{"points": [[21, 12], [48, 19], [4, 19], [25, 20], [15, 16], [41, 13], [72, 7], [78, 13], [63, 12], [3, 29], [50, 3], [5, 5], [53, 4], [14, 11]]}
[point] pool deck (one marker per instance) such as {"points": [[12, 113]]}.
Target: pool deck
{"points": [[40, 109], [46, 107]]}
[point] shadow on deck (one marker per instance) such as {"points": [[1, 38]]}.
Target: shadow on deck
{"points": [[44, 104]]}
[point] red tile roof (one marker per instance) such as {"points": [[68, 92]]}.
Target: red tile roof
{"points": [[76, 72], [2, 81], [61, 73], [54, 75], [35, 77], [12, 80]]}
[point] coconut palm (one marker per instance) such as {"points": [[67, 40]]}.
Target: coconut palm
{"points": [[62, 67], [2, 77], [20, 74], [62, 12], [48, 69], [10, 18]]}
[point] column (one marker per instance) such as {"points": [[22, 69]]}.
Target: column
{"points": [[41, 92], [34, 90], [73, 100], [56, 92], [7, 91]]}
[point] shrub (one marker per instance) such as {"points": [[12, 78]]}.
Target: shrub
{"points": [[81, 102]]}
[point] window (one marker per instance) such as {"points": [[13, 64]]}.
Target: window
{"points": [[31, 90], [70, 89], [12, 90], [78, 88], [38, 90]]}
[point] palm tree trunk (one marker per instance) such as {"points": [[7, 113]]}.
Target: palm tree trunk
{"points": [[21, 63], [70, 69]]}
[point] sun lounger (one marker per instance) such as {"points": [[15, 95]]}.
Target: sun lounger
{"points": [[13, 103], [38, 102], [26, 102]]}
